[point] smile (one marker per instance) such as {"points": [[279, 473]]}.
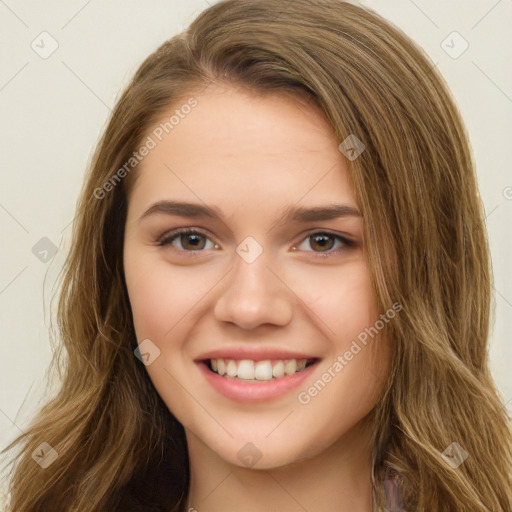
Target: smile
{"points": [[257, 371], [251, 381]]}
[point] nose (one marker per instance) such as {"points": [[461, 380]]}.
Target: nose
{"points": [[254, 295]]}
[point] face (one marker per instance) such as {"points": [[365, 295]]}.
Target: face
{"points": [[244, 255]]}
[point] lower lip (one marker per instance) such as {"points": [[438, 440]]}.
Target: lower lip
{"points": [[253, 392]]}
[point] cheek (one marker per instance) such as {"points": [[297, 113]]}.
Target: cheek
{"points": [[344, 303], [160, 296], [347, 311], [151, 300]]}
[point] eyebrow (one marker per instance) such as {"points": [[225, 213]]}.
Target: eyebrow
{"points": [[290, 214]]}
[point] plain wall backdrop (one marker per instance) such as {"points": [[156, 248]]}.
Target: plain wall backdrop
{"points": [[63, 66]]}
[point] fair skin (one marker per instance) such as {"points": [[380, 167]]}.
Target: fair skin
{"points": [[251, 157]]}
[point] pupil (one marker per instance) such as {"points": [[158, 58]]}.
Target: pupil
{"points": [[193, 240], [321, 241]]}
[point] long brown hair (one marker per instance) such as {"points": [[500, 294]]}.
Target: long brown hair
{"points": [[118, 445]]}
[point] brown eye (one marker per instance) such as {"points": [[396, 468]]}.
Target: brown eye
{"points": [[187, 241], [192, 241], [322, 242], [327, 243]]}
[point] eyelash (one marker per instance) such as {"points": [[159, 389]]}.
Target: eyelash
{"points": [[169, 237]]}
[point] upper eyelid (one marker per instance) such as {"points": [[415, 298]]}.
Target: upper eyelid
{"points": [[174, 233]]}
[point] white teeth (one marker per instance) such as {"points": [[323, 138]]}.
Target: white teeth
{"points": [[290, 367], [231, 368], [263, 370], [246, 369], [278, 369]]}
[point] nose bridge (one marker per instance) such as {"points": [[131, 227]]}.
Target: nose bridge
{"points": [[252, 294]]}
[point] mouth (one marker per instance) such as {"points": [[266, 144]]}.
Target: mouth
{"points": [[253, 381], [249, 370]]}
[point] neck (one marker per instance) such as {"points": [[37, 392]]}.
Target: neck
{"points": [[338, 478]]}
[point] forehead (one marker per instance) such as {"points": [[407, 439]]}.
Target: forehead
{"points": [[238, 147]]}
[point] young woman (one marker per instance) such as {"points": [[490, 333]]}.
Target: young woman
{"points": [[278, 292]]}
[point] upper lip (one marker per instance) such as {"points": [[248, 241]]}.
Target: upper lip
{"points": [[254, 353]]}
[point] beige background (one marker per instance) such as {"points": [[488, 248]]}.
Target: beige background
{"points": [[52, 111]]}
